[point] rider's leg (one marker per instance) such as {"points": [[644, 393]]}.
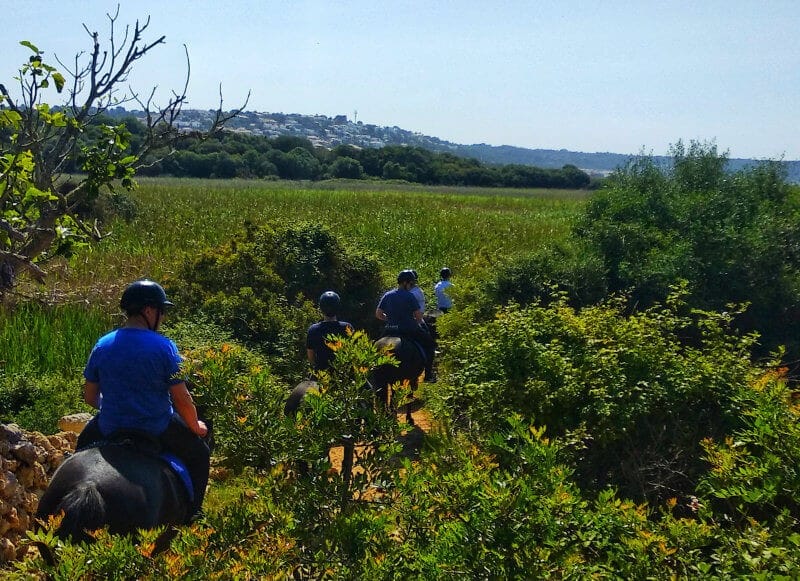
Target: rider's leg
{"points": [[89, 435], [425, 339], [179, 440]]}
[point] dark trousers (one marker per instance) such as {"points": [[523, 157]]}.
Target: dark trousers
{"points": [[177, 439]]}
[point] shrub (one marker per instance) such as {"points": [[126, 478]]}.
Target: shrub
{"points": [[36, 403], [263, 285], [755, 471], [236, 391], [632, 397], [543, 275], [733, 237]]}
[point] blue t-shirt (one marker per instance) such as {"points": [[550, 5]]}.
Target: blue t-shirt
{"points": [[399, 306], [135, 369], [316, 340]]}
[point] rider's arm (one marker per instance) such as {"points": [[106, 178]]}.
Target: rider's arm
{"points": [[380, 314], [310, 355], [418, 316], [182, 400], [91, 393]]}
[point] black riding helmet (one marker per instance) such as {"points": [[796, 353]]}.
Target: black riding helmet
{"points": [[406, 276], [329, 303], [143, 293], [445, 272]]}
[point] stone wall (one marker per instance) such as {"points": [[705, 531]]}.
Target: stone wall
{"points": [[27, 461]]}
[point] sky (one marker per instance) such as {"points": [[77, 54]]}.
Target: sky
{"points": [[595, 76]]}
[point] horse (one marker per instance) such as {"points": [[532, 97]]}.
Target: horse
{"points": [[411, 364], [121, 484]]}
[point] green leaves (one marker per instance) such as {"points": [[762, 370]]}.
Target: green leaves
{"points": [[30, 45]]}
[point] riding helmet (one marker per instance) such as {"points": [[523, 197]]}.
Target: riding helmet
{"points": [[143, 293], [329, 303], [406, 276], [444, 273]]}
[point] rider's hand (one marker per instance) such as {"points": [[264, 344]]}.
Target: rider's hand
{"points": [[203, 429]]}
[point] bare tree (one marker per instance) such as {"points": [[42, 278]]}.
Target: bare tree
{"points": [[39, 141]]}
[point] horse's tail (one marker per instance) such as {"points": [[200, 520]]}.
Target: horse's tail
{"points": [[84, 510]]}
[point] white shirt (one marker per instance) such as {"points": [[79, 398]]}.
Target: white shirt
{"points": [[417, 292]]}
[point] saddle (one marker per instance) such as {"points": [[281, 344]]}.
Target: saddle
{"points": [[149, 445], [394, 336]]}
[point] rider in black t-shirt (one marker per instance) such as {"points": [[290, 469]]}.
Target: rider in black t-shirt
{"points": [[319, 354]]}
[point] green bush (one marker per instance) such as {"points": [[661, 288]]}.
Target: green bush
{"points": [[755, 471], [233, 388], [733, 237], [543, 275], [36, 403], [263, 285], [634, 399]]}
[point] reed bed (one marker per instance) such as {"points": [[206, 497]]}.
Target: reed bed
{"points": [[404, 228]]}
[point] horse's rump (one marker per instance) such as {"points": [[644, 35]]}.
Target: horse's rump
{"points": [[115, 486]]}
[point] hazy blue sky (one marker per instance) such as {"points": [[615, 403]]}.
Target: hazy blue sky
{"points": [[617, 76]]}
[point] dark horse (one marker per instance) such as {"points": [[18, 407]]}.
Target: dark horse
{"points": [[118, 484], [412, 363]]}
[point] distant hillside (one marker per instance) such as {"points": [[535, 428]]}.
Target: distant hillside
{"points": [[329, 132], [601, 163]]}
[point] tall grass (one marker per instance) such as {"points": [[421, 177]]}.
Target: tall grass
{"points": [[37, 338], [405, 227]]}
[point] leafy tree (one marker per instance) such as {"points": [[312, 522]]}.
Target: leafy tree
{"points": [[735, 237], [346, 167], [39, 142]]}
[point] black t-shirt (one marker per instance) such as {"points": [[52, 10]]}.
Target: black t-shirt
{"points": [[316, 340]]}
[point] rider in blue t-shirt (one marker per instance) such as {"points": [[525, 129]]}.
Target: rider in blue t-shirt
{"points": [[401, 311], [133, 378]]}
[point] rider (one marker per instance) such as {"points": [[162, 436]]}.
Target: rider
{"points": [[133, 378], [443, 301], [416, 290], [319, 354], [403, 315]]}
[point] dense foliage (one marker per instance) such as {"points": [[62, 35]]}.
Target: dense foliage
{"points": [[569, 443], [263, 285], [508, 505], [733, 237], [630, 395]]}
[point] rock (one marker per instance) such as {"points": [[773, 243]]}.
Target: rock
{"points": [[27, 462], [7, 550], [27, 452], [74, 422]]}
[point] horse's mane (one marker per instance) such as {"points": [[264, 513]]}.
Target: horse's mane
{"points": [[84, 510]]}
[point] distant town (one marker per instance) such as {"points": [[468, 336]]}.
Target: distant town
{"points": [[328, 132]]}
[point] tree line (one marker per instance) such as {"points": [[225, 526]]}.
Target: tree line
{"points": [[229, 154]]}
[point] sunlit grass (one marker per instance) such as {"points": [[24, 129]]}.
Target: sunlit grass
{"points": [[58, 338], [405, 227]]}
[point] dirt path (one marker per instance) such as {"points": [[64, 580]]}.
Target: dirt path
{"points": [[411, 440]]}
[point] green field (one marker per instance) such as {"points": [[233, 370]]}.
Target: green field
{"points": [[404, 226]]}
